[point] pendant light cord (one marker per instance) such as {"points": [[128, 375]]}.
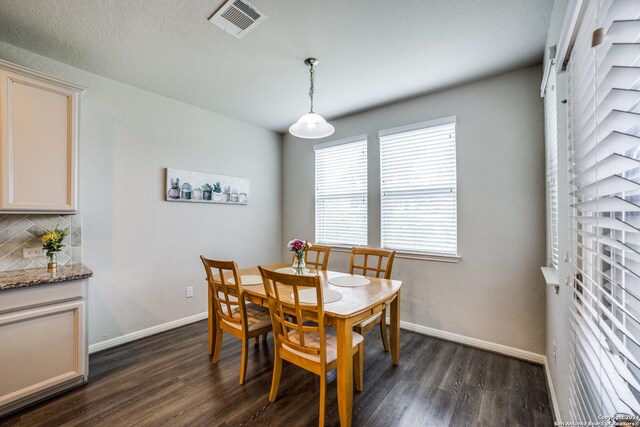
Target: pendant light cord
{"points": [[311, 87]]}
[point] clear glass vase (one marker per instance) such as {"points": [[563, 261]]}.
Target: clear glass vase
{"points": [[52, 261], [299, 266]]}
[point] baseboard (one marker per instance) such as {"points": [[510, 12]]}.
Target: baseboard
{"points": [[552, 393], [474, 342], [123, 339]]}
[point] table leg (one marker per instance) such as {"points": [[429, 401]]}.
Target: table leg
{"points": [[212, 323], [344, 328], [395, 329]]}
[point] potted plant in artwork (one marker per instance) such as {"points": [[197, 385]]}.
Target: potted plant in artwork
{"points": [[186, 191], [52, 244], [242, 198], [298, 247], [207, 189], [227, 193], [233, 195], [174, 188], [217, 192], [197, 193]]}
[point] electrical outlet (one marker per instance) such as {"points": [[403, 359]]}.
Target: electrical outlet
{"points": [[190, 292], [32, 252], [554, 352]]}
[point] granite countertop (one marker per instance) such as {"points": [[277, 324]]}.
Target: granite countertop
{"points": [[42, 276]]}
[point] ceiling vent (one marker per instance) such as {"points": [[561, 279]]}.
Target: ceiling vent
{"points": [[237, 17]]}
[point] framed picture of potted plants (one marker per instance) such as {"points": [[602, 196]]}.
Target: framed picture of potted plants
{"points": [[201, 187]]}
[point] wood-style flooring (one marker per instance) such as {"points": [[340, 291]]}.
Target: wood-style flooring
{"points": [[168, 380]]}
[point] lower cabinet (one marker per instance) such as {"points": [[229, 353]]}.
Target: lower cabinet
{"points": [[43, 342]]}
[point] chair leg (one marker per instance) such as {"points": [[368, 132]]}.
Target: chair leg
{"points": [[383, 330], [358, 367], [275, 380], [243, 362], [255, 339], [323, 394], [217, 345]]}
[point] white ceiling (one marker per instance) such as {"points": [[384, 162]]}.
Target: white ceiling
{"points": [[371, 52]]}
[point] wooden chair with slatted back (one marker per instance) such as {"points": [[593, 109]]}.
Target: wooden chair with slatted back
{"points": [[300, 335], [232, 314], [317, 256], [377, 263]]}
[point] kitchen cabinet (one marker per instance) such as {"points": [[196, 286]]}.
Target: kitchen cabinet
{"points": [[43, 334], [39, 142]]}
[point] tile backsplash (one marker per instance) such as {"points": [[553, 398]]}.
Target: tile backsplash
{"points": [[19, 231]]}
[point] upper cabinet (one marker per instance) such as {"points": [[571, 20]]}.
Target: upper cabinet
{"points": [[39, 142]]}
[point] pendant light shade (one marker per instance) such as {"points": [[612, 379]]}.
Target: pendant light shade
{"points": [[311, 125]]}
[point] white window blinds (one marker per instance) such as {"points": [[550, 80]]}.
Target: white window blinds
{"points": [[418, 188], [551, 137], [604, 151], [341, 192]]}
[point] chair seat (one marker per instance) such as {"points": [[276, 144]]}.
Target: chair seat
{"points": [[372, 319], [312, 339], [257, 307], [256, 319]]}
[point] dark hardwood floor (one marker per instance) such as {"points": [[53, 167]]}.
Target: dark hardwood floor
{"points": [[168, 380]]}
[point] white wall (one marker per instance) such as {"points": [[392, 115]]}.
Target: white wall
{"points": [[496, 292], [558, 304], [144, 251]]}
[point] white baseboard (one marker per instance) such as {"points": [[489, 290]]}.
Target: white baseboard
{"points": [[475, 342], [552, 393], [123, 339]]}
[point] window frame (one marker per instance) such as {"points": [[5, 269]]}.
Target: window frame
{"points": [[335, 143], [551, 169], [420, 255]]}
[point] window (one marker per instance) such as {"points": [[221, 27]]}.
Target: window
{"points": [[341, 192], [418, 188], [551, 138], [604, 204]]}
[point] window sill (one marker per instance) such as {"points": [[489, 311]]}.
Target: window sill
{"points": [[411, 255], [551, 277]]}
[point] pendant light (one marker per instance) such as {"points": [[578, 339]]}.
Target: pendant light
{"points": [[311, 125]]}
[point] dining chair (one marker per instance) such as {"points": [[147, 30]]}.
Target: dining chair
{"points": [[377, 263], [300, 335], [320, 258], [232, 314]]}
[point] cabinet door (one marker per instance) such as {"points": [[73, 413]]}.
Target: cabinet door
{"points": [[43, 349], [39, 134]]}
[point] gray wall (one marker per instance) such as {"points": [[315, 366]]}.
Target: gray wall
{"points": [[144, 251], [496, 292], [558, 305]]}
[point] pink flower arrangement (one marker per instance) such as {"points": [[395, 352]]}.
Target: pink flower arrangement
{"points": [[298, 246]]}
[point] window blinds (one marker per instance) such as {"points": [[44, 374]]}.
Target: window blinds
{"points": [[604, 179], [418, 188], [341, 193], [551, 136]]}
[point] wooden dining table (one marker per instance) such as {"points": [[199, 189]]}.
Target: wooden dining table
{"points": [[356, 305]]}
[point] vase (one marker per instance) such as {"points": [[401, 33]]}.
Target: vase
{"points": [[52, 261], [299, 266]]}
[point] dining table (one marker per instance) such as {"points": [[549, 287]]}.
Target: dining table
{"points": [[356, 304]]}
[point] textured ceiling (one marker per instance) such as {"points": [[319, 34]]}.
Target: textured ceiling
{"points": [[371, 52]]}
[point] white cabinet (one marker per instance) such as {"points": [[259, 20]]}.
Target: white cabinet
{"points": [[43, 342], [39, 140]]}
